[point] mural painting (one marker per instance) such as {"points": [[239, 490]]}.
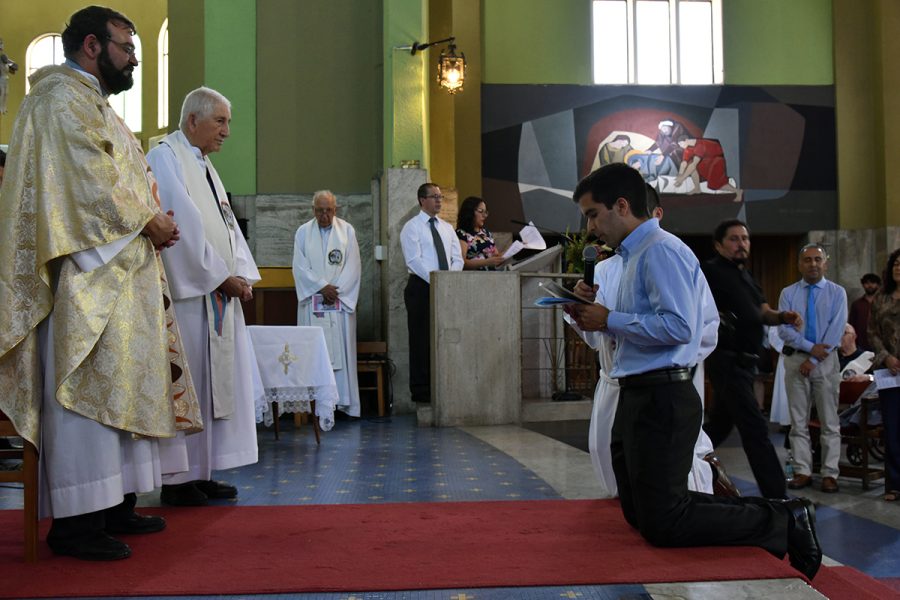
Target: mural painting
{"points": [[763, 154]]}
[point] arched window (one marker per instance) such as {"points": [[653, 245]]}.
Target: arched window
{"points": [[657, 41], [128, 104], [43, 50], [163, 101]]}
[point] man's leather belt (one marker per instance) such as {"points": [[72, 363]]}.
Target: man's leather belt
{"points": [[657, 377], [789, 350]]}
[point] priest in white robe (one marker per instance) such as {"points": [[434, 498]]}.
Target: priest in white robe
{"points": [[210, 274], [326, 273], [90, 357]]}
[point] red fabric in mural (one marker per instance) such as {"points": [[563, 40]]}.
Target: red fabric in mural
{"points": [[712, 162]]}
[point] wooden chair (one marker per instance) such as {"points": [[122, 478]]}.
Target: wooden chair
{"points": [[374, 361], [28, 477], [859, 439]]}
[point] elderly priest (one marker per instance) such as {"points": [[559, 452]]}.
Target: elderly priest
{"points": [[326, 272]]}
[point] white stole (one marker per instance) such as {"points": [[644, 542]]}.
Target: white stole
{"points": [[219, 228], [328, 265]]}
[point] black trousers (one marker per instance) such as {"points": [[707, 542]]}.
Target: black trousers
{"points": [[417, 297], [735, 405], [652, 445], [69, 530], [890, 412]]}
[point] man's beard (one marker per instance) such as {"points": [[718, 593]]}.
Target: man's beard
{"points": [[116, 80]]}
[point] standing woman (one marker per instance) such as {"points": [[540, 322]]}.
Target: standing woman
{"points": [[884, 336], [476, 242]]}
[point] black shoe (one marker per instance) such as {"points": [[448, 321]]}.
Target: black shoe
{"points": [[136, 524], [804, 549], [184, 494], [98, 546], [216, 490]]}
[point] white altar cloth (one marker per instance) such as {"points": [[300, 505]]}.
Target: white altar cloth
{"points": [[295, 370]]}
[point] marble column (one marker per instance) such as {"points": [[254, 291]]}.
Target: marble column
{"points": [[398, 205]]}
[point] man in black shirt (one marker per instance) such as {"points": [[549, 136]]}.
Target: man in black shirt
{"points": [[732, 367]]}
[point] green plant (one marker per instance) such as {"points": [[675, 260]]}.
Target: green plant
{"points": [[575, 243]]}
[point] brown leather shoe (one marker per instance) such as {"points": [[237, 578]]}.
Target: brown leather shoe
{"points": [[722, 484], [829, 485], [800, 482]]}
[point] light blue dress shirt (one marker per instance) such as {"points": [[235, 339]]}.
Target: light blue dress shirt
{"points": [[831, 314], [664, 310]]}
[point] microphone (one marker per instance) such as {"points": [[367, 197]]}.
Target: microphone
{"points": [[589, 254]]}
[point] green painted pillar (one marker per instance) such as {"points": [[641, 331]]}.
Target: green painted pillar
{"points": [[213, 43], [405, 89]]}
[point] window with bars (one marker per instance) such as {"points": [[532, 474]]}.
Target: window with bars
{"points": [[657, 42]]}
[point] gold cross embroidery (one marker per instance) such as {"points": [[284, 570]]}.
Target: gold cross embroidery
{"points": [[286, 358]]}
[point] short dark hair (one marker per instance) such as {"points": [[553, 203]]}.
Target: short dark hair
{"points": [[889, 284], [423, 189], [2, 158], [722, 228], [613, 181], [870, 278], [465, 218], [91, 20], [652, 198]]}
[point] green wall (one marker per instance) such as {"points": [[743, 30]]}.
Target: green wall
{"points": [[223, 58], [231, 32], [765, 41], [537, 41], [319, 100], [404, 105], [774, 42]]}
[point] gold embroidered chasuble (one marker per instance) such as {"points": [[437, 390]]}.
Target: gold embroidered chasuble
{"points": [[76, 180]]}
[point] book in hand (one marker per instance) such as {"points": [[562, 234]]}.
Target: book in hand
{"points": [[320, 306], [558, 295]]}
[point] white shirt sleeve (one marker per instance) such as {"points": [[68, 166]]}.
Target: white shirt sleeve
{"points": [[411, 244]]}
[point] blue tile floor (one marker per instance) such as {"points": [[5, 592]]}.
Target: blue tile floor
{"points": [[393, 460]]}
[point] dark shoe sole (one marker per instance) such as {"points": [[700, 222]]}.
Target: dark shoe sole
{"points": [[176, 495], [215, 490], [139, 525], [106, 550]]}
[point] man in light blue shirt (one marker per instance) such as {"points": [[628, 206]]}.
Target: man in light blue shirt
{"points": [[811, 370], [658, 326]]}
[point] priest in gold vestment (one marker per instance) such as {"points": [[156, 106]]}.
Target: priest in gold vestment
{"points": [[90, 358]]}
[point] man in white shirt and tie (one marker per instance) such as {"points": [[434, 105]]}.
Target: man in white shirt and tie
{"points": [[429, 244]]}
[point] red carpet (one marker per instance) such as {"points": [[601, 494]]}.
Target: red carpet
{"points": [[283, 549], [846, 583]]}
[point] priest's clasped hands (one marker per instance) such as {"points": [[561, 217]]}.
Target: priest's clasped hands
{"points": [[162, 230], [237, 287]]}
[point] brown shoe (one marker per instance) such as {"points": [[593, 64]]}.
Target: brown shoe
{"points": [[800, 482], [829, 485], [722, 484]]}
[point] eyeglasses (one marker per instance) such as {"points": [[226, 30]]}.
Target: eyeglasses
{"points": [[128, 49], [482, 211], [435, 196]]}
